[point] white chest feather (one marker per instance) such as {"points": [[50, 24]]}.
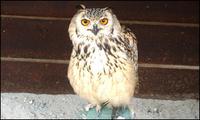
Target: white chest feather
{"points": [[98, 61]]}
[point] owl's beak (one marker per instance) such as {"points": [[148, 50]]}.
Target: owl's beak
{"points": [[95, 29]]}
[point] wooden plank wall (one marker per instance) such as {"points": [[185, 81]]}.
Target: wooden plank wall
{"points": [[35, 46]]}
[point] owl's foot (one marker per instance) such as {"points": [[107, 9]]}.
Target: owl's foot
{"points": [[123, 112], [97, 112], [98, 108], [89, 106]]}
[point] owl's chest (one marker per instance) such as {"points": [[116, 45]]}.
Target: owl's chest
{"points": [[97, 61], [93, 59], [96, 57]]}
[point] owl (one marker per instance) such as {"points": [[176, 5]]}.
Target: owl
{"points": [[103, 67]]}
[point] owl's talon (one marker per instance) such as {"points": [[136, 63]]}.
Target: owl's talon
{"points": [[89, 106], [98, 108]]}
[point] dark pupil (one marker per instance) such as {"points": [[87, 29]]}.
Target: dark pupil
{"points": [[103, 20], [85, 21]]}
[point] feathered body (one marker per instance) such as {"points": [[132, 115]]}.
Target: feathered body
{"points": [[103, 67]]}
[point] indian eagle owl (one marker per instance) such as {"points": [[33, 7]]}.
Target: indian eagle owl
{"points": [[103, 66]]}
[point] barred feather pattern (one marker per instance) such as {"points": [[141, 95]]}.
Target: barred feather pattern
{"points": [[104, 68]]}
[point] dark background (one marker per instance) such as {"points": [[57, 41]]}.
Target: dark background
{"points": [[167, 32]]}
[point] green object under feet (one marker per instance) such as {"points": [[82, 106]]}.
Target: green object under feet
{"points": [[123, 112], [107, 113]]}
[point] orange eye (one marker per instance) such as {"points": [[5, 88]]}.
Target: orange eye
{"points": [[85, 22], [104, 21]]}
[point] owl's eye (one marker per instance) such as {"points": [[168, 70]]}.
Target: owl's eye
{"points": [[85, 22], [104, 21]]}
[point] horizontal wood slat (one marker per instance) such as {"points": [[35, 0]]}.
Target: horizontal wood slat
{"points": [[34, 77], [49, 39], [165, 11], [145, 65], [51, 78]]}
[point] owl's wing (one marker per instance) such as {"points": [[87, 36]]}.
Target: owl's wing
{"points": [[130, 43], [132, 52]]}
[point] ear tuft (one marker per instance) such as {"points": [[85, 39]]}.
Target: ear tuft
{"points": [[81, 6], [108, 9]]}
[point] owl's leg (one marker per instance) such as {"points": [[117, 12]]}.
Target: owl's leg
{"points": [[89, 106]]}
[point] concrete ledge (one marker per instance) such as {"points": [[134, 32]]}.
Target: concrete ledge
{"points": [[37, 106]]}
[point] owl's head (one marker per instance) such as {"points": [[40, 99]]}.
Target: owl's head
{"points": [[94, 22]]}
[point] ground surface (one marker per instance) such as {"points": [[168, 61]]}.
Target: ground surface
{"points": [[25, 105]]}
